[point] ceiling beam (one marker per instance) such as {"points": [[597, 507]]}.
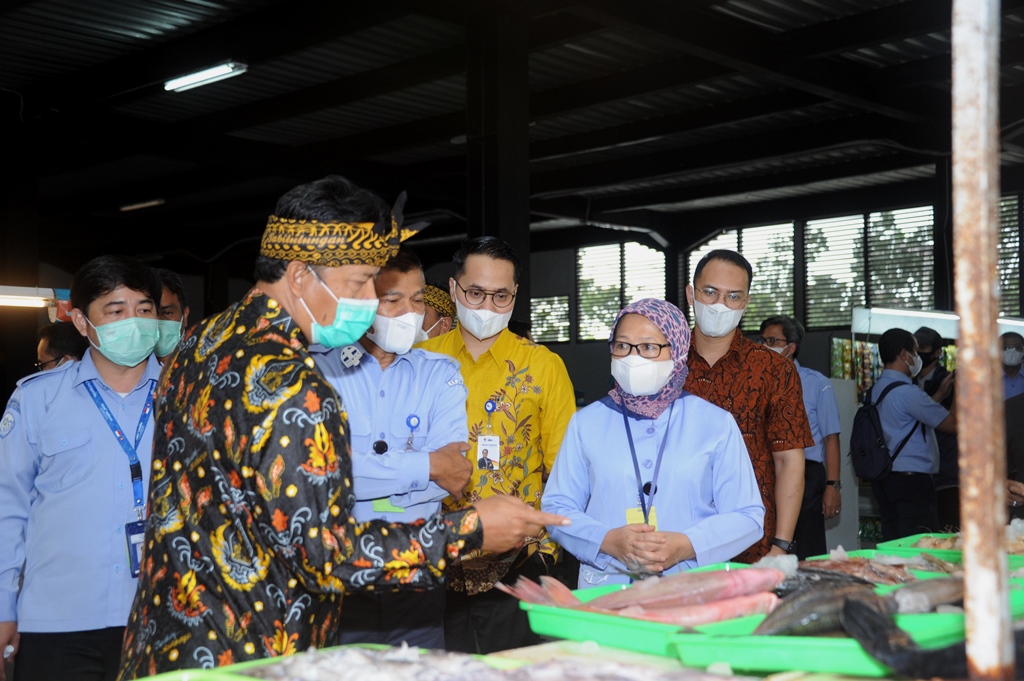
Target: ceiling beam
{"points": [[741, 47]]}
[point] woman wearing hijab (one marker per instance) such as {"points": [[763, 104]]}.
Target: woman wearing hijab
{"points": [[651, 475]]}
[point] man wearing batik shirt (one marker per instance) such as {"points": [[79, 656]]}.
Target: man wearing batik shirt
{"points": [[519, 405], [250, 544], [760, 388]]}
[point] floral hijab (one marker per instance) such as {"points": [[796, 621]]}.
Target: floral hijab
{"points": [[671, 321]]}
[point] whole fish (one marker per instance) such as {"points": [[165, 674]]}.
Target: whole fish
{"points": [[690, 588], [815, 610], [808, 576], [871, 570], [759, 603], [880, 638], [925, 595]]}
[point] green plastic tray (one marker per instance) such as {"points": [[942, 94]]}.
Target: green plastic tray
{"points": [[908, 542], [1013, 560], [608, 630], [731, 642]]}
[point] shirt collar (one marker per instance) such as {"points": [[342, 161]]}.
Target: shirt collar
{"points": [[502, 347], [87, 371]]}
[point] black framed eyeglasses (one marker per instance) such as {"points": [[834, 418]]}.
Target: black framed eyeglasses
{"points": [[645, 350], [477, 296], [772, 341], [41, 366]]}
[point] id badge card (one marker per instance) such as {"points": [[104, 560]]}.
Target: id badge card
{"points": [[488, 449], [135, 535], [635, 516], [383, 505]]}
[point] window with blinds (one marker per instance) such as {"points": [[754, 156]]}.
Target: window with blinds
{"points": [[608, 278], [771, 255], [834, 253], [1009, 255], [549, 319], [901, 258]]}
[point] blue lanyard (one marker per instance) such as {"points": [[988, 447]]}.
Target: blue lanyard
{"points": [[636, 463], [133, 456]]}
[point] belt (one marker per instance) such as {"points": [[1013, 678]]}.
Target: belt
{"points": [[909, 473]]}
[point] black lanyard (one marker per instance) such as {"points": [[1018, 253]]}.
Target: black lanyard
{"points": [[636, 462]]}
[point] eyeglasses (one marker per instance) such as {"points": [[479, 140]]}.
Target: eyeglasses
{"points": [[772, 342], [645, 350], [477, 296], [41, 366], [711, 295]]}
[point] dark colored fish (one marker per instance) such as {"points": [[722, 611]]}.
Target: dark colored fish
{"points": [[865, 568], [879, 636], [809, 576], [815, 610]]}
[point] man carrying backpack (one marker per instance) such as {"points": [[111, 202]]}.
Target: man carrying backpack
{"points": [[906, 497]]}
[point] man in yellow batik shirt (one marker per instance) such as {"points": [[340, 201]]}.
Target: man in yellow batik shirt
{"points": [[519, 405]]}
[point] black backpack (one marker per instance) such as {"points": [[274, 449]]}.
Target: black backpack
{"points": [[868, 451]]}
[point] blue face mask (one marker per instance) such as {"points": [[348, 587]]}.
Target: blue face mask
{"points": [[351, 320], [127, 342]]}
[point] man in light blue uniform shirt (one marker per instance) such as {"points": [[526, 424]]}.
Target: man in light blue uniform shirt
{"points": [[75, 453], [906, 497], [408, 428], [1013, 356], [822, 483]]}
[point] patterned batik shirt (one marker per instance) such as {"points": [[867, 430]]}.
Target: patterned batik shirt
{"points": [[534, 401], [762, 390], [249, 542]]}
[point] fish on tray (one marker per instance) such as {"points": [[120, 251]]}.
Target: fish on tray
{"points": [[874, 571], [685, 599], [879, 636], [814, 610]]}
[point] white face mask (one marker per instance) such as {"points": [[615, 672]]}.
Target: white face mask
{"points": [[640, 376], [422, 335], [482, 323], [716, 320], [395, 334], [915, 367], [779, 350], [1013, 357]]}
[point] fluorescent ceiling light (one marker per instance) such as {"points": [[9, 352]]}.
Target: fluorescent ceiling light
{"points": [[877, 320], [206, 76], [153, 203], [26, 296]]}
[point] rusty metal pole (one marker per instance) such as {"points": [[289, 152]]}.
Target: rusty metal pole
{"points": [[980, 425]]}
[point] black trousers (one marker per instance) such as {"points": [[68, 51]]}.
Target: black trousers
{"points": [[93, 655], [415, 617], [907, 504], [491, 621], [810, 524]]}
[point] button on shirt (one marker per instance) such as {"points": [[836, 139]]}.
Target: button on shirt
{"points": [[706, 488], [65, 497], [822, 410], [899, 411], [378, 403]]}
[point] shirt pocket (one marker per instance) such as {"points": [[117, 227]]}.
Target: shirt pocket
{"points": [[68, 459], [399, 437]]}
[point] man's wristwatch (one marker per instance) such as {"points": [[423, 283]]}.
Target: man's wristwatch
{"points": [[838, 484], [787, 546]]}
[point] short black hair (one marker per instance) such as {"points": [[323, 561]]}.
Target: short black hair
{"points": [[173, 283], [728, 256], [103, 274], [929, 337], [490, 246], [405, 260], [792, 329], [1012, 334], [893, 342], [329, 199], [62, 338]]}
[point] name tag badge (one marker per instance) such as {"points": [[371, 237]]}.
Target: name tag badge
{"points": [[385, 506], [635, 516], [135, 534], [488, 449]]}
